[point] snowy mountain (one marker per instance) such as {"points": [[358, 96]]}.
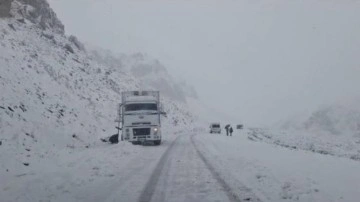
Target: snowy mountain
{"points": [[338, 119], [330, 130], [335, 120], [149, 71], [57, 96]]}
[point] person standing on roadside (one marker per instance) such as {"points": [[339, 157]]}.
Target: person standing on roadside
{"points": [[231, 131], [227, 130]]}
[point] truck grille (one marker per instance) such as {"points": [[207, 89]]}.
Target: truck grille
{"points": [[141, 131]]}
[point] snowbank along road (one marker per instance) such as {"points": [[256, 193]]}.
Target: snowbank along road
{"points": [[188, 167]]}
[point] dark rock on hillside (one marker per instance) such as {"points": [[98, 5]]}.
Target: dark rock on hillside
{"points": [[77, 43], [5, 8], [69, 48], [12, 27], [36, 11]]}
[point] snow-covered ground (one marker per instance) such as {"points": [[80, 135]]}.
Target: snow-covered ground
{"points": [[317, 142], [276, 173], [58, 99], [84, 174], [186, 167]]}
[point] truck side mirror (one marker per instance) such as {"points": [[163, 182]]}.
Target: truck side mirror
{"points": [[161, 109]]}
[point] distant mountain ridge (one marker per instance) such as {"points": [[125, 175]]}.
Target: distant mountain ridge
{"points": [[337, 119]]}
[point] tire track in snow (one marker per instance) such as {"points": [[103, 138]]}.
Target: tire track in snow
{"points": [[227, 189], [150, 186]]}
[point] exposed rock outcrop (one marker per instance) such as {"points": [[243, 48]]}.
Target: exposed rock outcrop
{"points": [[5, 6], [38, 12], [77, 43]]}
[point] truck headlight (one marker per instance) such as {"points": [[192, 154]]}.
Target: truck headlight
{"points": [[155, 129]]}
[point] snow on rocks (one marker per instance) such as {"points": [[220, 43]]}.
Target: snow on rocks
{"points": [[56, 103]]}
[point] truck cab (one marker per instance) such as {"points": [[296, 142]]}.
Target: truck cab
{"points": [[215, 128], [140, 115]]}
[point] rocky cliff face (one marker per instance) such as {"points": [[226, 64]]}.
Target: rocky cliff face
{"points": [[34, 11], [5, 8]]}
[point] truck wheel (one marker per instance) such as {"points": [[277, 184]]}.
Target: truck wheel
{"points": [[135, 143], [157, 142]]}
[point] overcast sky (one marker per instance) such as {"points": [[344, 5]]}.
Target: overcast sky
{"points": [[257, 60]]}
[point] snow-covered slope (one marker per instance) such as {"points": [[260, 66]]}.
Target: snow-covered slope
{"points": [[53, 94], [337, 119], [331, 130], [150, 72]]}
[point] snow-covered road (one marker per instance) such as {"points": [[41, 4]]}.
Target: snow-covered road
{"points": [[173, 171], [183, 174], [275, 173], [186, 167]]}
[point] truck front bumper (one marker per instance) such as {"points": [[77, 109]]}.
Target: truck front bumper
{"points": [[145, 138]]}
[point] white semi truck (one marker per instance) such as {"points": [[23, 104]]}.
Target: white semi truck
{"points": [[140, 117]]}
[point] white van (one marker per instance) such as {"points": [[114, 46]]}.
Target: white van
{"points": [[215, 128]]}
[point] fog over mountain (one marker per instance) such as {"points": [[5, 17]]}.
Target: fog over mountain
{"points": [[293, 63], [258, 61], [149, 71]]}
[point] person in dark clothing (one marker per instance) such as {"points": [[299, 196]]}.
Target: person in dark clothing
{"points": [[231, 131], [114, 139], [227, 131]]}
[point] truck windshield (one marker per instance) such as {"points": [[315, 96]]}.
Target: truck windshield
{"points": [[216, 126], [140, 106]]}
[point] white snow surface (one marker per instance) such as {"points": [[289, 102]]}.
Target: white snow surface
{"points": [[317, 142], [331, 130], [276, 173], [252, 171], [57, 100]]}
